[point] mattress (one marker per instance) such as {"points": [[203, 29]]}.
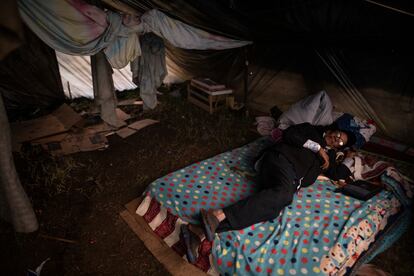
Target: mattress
{"points": [[320, 233]]}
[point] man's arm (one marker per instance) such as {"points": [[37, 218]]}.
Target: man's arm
{"points": [[303, 135], [336, 171], [307, 136]]}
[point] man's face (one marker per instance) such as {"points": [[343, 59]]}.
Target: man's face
{"points": [[335, 138]]}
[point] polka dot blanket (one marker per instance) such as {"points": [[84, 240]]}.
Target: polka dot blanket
{"points": [[320, 233]]}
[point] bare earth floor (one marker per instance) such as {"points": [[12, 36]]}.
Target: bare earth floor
{"points": [[78, 198]]}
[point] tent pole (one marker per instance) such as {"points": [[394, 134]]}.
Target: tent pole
{"points": [[246, 80], [15, 206]]}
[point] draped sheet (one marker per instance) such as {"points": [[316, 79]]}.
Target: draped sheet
{"points": [[149, 70], [77, 28]]}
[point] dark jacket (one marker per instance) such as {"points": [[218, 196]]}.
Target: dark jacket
{"points": [[306, 163]]}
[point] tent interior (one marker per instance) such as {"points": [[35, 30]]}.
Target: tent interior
{"points": [[358, 52]]}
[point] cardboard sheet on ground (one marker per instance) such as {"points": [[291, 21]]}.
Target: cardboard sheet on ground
{"points": [[60, 120], [134, 127], [76, 142]]}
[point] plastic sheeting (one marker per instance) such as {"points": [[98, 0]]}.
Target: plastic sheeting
{"points": [[75, 72], [310, 23], [371, 43], [77, 28], [29, 78]]}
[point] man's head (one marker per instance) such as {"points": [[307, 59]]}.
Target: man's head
{"points": [[338, 139]]}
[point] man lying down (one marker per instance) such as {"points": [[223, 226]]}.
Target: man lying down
{"points": [[305, 152]]}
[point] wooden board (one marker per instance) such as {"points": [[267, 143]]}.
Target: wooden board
{"points": [[176, 265], [77, 142], [50, 139], [125, 132], [66, 116], [200, 104], [122, 115], [130, 102]]}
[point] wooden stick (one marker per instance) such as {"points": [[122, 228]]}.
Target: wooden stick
{"points": [[57, 239]]}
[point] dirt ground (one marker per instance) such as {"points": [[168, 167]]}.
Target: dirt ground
{"points": [[78, 198]]}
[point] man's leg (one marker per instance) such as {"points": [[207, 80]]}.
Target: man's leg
{"points": [[277, 179]]}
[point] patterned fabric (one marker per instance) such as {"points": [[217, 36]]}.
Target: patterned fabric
{"points": [[213, 183], [167, 226], [362, 129], [320, 233]]}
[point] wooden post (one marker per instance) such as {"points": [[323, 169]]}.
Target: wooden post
{"points": [[103, 89], [70, 92], [246, 81], [15, 204]]}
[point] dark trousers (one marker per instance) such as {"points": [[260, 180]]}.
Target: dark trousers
{"points": [[277, 182]]}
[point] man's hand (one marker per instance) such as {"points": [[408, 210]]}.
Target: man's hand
{"points": [[350, 154], [325, 158], [339, 183]]}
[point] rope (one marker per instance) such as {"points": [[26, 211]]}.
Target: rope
{"points": [[359, 100], [389, 7]]}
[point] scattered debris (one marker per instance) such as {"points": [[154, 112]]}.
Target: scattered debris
{"points": [[77, 142], [65, 132], [38, 269]]}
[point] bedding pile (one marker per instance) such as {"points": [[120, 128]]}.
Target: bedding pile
{"points": [[320, 233]]}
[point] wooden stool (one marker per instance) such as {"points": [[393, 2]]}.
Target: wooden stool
{"points": [[207, 100]]}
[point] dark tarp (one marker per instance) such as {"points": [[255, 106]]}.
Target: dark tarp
{"points": [[11, 28], [371, 42], [29, 78], [291, 21], [364, 34]]}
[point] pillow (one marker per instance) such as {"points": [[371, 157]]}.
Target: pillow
{"points": [[315, 109], [362, 129]]}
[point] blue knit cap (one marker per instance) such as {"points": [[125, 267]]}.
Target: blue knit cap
{"points": [[348, 124]]}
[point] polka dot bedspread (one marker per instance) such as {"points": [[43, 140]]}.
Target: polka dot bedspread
{"points": [[320, 233]]}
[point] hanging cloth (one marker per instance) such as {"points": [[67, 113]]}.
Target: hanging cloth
{"points": [[77, 28]]}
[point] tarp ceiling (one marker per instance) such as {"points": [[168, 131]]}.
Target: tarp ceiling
{"points": [[292, 21], [371, 43]]}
